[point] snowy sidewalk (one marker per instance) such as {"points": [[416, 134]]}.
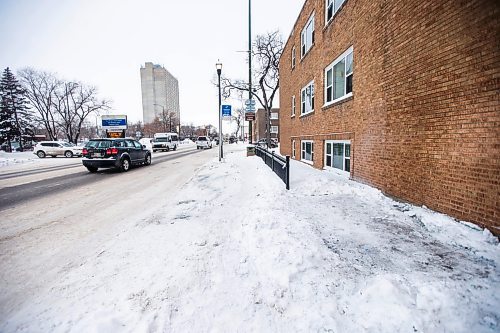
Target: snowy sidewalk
{"points": [[237, 252]]}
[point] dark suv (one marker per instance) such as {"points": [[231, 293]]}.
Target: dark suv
{"points": [[114, 153]]}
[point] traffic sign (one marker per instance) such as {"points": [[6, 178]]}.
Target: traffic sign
{"points": [[250, 102], [249, 116], [226, 110], [250, 108]]}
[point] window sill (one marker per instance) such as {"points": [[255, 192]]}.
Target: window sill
{"points": [[336, 171], [292, 116], [338, 101], [306, 114], [307, 162]]}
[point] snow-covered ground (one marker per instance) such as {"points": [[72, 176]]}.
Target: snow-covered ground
{"points": [[237, 252]]}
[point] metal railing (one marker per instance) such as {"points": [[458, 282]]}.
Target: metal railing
{"points": [[279, 165]]}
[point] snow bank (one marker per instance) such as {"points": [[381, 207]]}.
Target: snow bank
{"points": [[237, 252]]}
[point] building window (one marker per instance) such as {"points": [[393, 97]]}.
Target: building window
{"points": [[293, 57], [338, 155], [307, 151], [274, 129], [338, 78], [307, 37], [274, 115], [293, 148], [332, 6], [293, 106], [307, 99]]}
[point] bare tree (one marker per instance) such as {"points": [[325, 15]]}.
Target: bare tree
{"points": [[61, 106], [169, 120], [74, 102], [40, 88], [266, 52], [238, 118]]}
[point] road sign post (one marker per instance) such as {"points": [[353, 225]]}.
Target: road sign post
{"points": [[226, 111]]}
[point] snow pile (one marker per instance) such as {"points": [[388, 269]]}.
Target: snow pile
{"points": [[13, 158], [237, 252]]}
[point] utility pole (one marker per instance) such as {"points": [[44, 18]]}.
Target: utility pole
{"points": [[250, 64]]}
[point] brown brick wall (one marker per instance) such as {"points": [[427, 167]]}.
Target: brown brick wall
{"points": [[259, 125], [424, 119]]}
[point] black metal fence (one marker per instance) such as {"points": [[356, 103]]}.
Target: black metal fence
{"points": [[279, 165]]}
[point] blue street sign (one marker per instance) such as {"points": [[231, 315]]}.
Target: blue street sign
{"points": [[226, 110]]}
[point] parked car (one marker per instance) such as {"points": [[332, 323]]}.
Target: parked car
{"points": [[203, 142], [56, 148], [165, 141], [114, 153], [263, 143]]}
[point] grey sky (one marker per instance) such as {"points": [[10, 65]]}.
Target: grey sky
{"points": [[104, 43]]}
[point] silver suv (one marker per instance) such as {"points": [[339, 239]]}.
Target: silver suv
{"points": [[56, 148]]}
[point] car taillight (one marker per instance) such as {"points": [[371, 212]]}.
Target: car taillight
{"points": [[112, 151], [85, 151]]}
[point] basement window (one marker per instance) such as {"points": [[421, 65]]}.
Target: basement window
{"points": [[307, 151]]}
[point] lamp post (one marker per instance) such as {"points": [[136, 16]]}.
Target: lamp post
{"points": [[218, 66], [250, 65]]}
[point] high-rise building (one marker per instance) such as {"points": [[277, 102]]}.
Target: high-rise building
{"points": [[160, 92]]}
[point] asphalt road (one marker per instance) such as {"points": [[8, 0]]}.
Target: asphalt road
{"points": [[12, 195], [55, 214]]}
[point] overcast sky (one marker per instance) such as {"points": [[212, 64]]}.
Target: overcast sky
{"points": [[104, 43]]}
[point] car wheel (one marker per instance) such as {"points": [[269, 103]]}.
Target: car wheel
{"points": [[68, 154], [168, 148], [92, 169], [147, 161], [154, 150], [175, 147], [40, 154], [125, 165]]}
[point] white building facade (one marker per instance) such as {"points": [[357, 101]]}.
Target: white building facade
{"points": [[160, 91]]}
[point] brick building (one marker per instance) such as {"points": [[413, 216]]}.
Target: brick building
{"points": [[402, 95], [259, 125]]}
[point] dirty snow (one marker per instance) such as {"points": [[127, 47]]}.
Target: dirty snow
{"points": [[237, 252]]}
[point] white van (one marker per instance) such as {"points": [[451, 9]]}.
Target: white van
{"points": [[165, 141]]}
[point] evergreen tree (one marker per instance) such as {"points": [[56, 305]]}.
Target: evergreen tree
{"points": [[15, 115], [7, 124]]}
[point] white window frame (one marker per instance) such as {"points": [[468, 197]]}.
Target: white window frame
{"points": [[293, 57], [293, 106], [344, 157], [304, 38], [274, 115], [293, 148], [303, 144], [303, 103], [343, 56], [274, 129], [334, 10]]}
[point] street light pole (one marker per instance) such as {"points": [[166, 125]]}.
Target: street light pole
{"points": [[218, 66], [250, 64]]}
